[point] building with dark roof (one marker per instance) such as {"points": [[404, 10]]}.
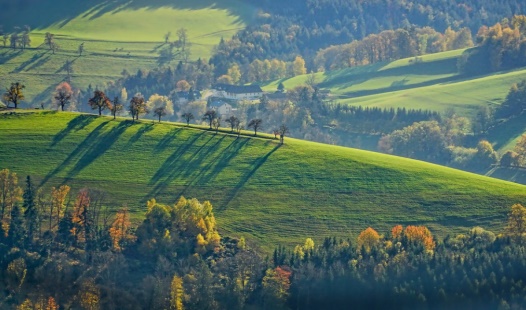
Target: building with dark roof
{"points": [[238, 92]]}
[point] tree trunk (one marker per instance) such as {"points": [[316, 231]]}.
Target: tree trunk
{"points": [[62, 106], [16, 104], [100, 111], [159, 118]]}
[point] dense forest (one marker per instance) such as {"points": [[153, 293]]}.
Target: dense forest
{"points": [[285, 30], [63, 250]]}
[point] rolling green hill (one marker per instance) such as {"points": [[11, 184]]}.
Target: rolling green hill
{"points": [[431, 83], [117, 35], [264, 191]]}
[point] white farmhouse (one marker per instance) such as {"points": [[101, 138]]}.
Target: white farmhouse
{"points": [[222, 108], [236, 92]]}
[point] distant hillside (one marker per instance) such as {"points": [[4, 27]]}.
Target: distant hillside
{"points": [[429, 82], [264, 191], [117, 35]]}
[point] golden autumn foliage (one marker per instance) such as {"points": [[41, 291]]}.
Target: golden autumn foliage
{"points": [[58, 200], [80, 208], [120, 229], [396, 232], [516, 226], [188, 222], [420, 234], [10, 193], [90, 296], [368, 238], [176, 293]]}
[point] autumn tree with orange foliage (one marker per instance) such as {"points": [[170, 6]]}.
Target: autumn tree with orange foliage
{"points": [[80, 212], [276, 285], [368, 238], [120, 230], [420, 235]]}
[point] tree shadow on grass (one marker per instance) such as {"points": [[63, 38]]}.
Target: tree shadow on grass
{"points": [[78, 151], [247, 176], [97, 148], [166, 140], [171, 167], [144, 129], [75, 124]]}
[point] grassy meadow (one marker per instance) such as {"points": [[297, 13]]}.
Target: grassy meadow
{"points": [[267, 192], [116, 34], [431, 83]]}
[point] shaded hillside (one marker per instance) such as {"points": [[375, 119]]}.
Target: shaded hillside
{"points": [[267, 192]]}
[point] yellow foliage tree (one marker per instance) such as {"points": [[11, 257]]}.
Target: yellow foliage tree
{"points": [[57, 206], [10, 192], [176, 293], [368, 238], [420, 234], [298, 66], [516, 226]]}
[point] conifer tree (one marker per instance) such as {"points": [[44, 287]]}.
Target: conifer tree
{"points": [[17, 232], [30, 210]]}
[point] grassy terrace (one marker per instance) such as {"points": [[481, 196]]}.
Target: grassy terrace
{"points": [[264, 191]]}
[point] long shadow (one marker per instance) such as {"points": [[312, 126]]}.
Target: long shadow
{"points": [[99, 147], [504, 132], [144, 129], [22, 66], [217, 165], [166, 140], [65, 11], [171, 167], [78, 151], [39, 63], [75, 124], [248, 175]]}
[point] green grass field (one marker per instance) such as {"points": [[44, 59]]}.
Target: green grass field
{"points": [[116, 34], [432, 83], [267, 192]]}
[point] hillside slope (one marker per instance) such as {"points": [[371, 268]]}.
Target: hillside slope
{"points": [[264, 191], [117, 35], [431, 83]]}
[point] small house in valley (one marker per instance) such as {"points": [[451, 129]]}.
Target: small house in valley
{"points": [[237, 92]]}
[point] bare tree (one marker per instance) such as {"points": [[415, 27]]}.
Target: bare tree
{"points": [[256, 124], [210, 116], [188, 116], [233, 121], [81, 48], [160, 112], [117, 107], [216, 123], [283, 130], [49, 40]]}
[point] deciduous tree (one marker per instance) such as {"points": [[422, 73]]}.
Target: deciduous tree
{"points": [[137, 106], [116, 106], [100, 101], [188, 116], [256, 124], [10, 192], [14, 94], [368, 238], [160, 105], [516, 226], [120, 230], [63, 94], [210, 116], [232, 121]]}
